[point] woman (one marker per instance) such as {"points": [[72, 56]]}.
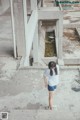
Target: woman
{"points": [[51, 79]]}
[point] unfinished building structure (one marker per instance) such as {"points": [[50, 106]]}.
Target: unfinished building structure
{"points": [[31, 21]]}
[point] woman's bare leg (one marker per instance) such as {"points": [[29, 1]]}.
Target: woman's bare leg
{"points": [[50, 99]]}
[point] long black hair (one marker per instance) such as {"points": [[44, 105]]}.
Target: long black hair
{"points": [[52, 65]]}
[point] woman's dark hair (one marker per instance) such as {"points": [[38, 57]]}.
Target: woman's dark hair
{"points": [[52, 65]]}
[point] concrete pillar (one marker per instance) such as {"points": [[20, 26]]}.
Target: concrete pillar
{"points": [[57, 36], [36, 47], [33, 4], [60, 37], [60, 23], [39, 35], [13, 29], [26, 62], [19, 27]]}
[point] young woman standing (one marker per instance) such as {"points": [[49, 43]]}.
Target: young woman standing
{"points": [[51, 79]]}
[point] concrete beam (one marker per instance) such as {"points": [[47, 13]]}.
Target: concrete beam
{"points": [[74, 61], [49, 13], [71, 25]]}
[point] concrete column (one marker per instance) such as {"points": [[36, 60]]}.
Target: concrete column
{"points": [[13, 29], [33, 4], [39, 35], [26, 62], [60, 37], [19, 26], [60, 23], [57, 36], [36, 47]]}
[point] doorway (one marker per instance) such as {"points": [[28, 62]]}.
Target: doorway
{"points": [[50, 46]]}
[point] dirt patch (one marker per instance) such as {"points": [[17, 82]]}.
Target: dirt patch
{"points": [[70, 33], [71, 41]]}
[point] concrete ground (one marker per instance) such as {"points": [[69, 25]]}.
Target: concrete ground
{"points": [[24, 96]]}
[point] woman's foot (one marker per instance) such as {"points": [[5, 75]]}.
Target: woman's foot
{"points": [[50, 108]]}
